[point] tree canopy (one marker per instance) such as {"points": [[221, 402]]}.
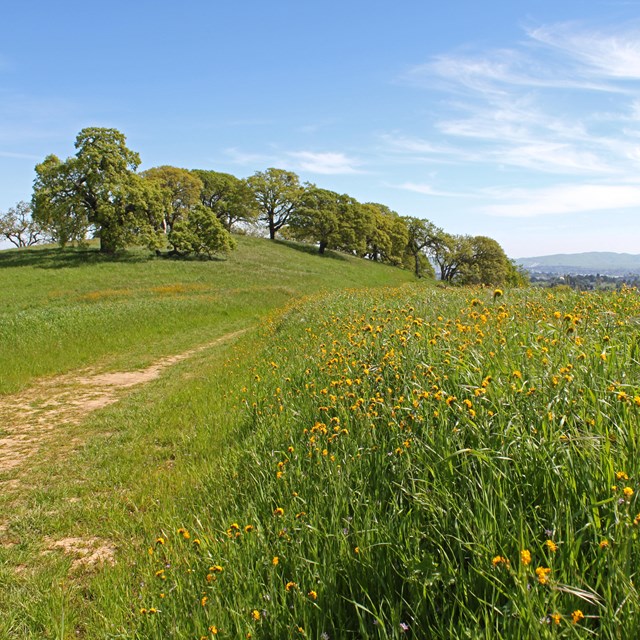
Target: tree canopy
{"points": [[98, 188], [182, 189], [201, 233], [98, 191], [231, 199], [324, 217], [277, 194]]}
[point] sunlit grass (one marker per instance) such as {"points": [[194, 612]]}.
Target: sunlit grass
{"points": [[436, 464], [60, 310], [408, 462]]}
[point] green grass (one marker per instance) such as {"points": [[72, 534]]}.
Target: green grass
{"points": [[127, 468], [425, 465], [61, 310], [397, 450]]}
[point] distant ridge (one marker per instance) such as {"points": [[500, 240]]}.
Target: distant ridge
{"points": [[590, 262]]}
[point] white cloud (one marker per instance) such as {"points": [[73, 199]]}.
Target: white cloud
{"points": [[314, 162], [493, 73], [325, 163], [562, 199], [612, 55], [242, 157], [553, 157], [417, 147], [428, 190], [19, 156], [541, 105]]}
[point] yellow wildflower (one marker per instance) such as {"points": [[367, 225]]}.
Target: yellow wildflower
{"points": [[543, 574], [498, 560], [525, 557], [577, 616]]}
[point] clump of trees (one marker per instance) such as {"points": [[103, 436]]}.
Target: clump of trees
{"points": [[99, 191]]}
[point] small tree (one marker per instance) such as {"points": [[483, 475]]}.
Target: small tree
{"points": [[388, 235], [19, 228], [453, 254], [201, 233], [421, 239], [324, 217], [489, 263]]}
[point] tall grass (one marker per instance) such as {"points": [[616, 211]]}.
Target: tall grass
{"points": [[433, 464]]}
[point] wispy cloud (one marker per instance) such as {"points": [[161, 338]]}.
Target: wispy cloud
{"points": [[325, 163], [428, 190], [238, 156], [562, 199], [418, 148], [544, 104], [609, 55], [19, 156]]}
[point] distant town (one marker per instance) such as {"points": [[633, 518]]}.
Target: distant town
{"points": [[589, 271]]}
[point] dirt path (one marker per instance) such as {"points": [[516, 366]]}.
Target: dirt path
{"points": [[30, 419]]}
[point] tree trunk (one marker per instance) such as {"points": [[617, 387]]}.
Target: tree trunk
{"points": [[417, 257], [322, 247], [107, 242]]}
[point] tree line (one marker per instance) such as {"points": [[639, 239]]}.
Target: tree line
{"points": [[100, 192]]}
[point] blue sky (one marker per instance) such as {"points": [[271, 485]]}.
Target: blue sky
{"points": [[517, 120]]}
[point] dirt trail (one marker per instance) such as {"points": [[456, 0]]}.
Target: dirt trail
{"points": [[30, 419]]}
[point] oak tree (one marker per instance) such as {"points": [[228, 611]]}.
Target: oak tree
{"points": [[97, 189], [277, 194]]}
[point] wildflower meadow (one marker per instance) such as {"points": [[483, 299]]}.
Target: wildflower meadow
{"points": [[419, 463]]}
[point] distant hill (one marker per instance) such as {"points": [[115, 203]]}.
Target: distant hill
{"points": [[588, 263]]}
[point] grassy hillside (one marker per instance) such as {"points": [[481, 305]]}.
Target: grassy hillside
{"points": [[79, 494], [381, 463], [60, 310]]}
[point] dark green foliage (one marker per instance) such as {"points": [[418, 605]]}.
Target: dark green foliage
{"points": [[230, 198]]}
